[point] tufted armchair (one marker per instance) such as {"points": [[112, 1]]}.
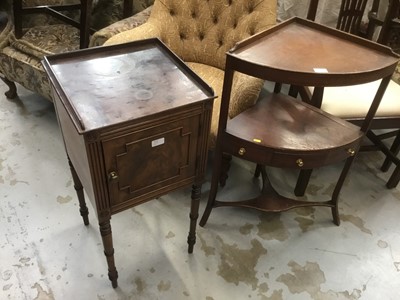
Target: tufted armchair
{"points": [[201, 32]]}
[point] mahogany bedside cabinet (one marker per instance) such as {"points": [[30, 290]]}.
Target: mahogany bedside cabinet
{"points": [[135, 122]]}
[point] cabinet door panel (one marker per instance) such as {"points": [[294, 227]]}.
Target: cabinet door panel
{"points": [[151, 159]]}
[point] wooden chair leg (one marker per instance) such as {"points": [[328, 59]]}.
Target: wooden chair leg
{"points": [[12, 88], [258, 170], [225, 166], [394, 179], [338, 187], [393, 149], [277, 87], [293, 91], [302, 182]]}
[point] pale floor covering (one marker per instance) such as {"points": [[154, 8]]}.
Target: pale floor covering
{"points": [[47, 253]]}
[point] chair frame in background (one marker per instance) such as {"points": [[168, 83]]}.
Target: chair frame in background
{"points": [[55, 11], [378, 122]]}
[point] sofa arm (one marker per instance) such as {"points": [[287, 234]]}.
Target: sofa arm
{"points": [[104, 34], [6, 27]]}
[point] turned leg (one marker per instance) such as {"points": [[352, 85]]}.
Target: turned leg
{"points": [[194, 214], [12, 89], [226, 165], [81, 197], [106, 235]]}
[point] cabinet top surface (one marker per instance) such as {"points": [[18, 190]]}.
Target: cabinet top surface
{"points": [[299, 46], [109, 85]]}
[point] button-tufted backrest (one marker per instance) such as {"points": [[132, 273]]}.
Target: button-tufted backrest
{"points": [[203, 30]]}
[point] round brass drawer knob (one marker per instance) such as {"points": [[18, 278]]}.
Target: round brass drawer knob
{"points": [[351, 151], [242, 151], [300, 162], [113, 176]]}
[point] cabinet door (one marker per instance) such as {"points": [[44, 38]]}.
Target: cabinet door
{"points": [[147, 163]]}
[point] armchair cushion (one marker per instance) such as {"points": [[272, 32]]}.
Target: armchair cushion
{"points": [[351, 102], [39, 41]]}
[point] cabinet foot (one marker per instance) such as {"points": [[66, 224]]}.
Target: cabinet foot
{"points": [[106, 235], [194, 215]]}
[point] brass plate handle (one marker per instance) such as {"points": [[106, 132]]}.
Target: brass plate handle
{"points": [[112, 176], [242, 151], [300, 162]]}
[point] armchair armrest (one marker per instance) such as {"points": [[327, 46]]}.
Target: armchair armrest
{"points": [[104, 34]]}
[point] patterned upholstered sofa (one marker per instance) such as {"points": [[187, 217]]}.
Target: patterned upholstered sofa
{"points": [[20, 59]]}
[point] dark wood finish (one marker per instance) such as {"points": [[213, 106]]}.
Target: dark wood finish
{"points": [[135, 122], [280, 131], [299, 68], [83, 25]]}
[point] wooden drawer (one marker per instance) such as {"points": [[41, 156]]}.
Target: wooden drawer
{"points": [[287, 159]]}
